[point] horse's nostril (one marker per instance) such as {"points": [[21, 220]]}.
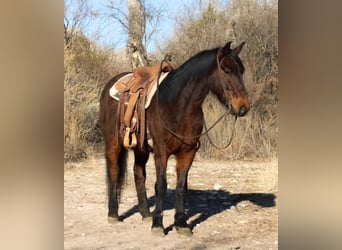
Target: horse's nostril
{"points": [[243, 111]]}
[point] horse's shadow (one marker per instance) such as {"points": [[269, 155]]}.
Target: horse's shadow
{"points": [[207, 203]]}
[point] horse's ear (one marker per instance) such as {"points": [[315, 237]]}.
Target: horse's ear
{"points": [[226, 48], [238, 49]]}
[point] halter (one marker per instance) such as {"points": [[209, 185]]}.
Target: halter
{"points": [[206, 132], [226, 92]]}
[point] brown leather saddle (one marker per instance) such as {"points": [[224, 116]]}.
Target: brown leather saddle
{"points": [[131, 110]]}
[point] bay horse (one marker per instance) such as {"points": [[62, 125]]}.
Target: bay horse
{"points": [[175, 121]]}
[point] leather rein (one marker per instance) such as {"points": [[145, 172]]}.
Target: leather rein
{"points": [[206, 132]]}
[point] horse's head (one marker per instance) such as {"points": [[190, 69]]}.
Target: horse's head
{"points": [[229, 85]]}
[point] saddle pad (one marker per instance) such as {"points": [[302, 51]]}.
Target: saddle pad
{"points": [[115, 92]]}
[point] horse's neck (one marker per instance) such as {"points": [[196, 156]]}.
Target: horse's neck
{"points": [[195, 91], [192, 97]]}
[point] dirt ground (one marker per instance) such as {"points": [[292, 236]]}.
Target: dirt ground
{"points": [[231, 205]]}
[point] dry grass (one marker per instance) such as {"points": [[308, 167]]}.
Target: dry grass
{"points": [[268, 178]]}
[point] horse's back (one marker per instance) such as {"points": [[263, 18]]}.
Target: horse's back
{"points": [[105, 97]]}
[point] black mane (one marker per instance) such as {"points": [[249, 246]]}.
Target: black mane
{"points": [[193, 69]]}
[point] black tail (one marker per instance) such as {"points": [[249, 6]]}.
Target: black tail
{"points": [[122, 166], [122, 160]]}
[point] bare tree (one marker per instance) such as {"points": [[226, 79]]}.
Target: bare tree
{"points": [[140, 23], [136, 30], [75, 15]]}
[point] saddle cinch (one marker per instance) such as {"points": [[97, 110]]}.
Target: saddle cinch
{"points": [[132, 91]]}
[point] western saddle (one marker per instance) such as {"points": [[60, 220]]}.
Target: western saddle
{"points": [[131, 108]]}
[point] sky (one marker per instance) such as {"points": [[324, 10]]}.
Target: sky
{"points": [[108, 32]]}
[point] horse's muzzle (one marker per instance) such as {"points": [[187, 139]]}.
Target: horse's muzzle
{"points": [[239, 111], [239, 106]]}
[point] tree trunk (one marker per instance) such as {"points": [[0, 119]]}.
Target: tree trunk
{"points": [[136, 51]]}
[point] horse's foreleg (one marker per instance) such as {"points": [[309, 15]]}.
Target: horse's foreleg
{"points": [[160, 190], [116, 165], [184, 161], [140, 159]]}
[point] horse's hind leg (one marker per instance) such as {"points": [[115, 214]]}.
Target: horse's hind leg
{"points": [[184, 161], [140, 159], [116, 158]]}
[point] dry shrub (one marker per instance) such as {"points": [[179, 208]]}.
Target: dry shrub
{"points": [[86, 68], [196, 33], [256, 23]]}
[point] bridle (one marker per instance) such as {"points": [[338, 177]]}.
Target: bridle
{"points": [[226, 92]]}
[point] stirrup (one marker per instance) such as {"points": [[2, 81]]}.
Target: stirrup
{"points": [[130, 139]]}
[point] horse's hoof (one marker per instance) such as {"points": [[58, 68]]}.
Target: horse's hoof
{"points": [[113, 220], [158, 231], [186, 231]]}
